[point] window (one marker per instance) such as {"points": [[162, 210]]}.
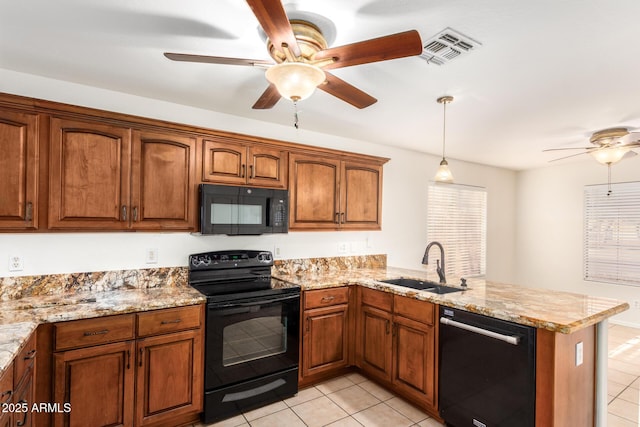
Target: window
{"points": [[457, 218], [612, 233]]}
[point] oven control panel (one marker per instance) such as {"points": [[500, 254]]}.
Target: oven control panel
{"points": [[229, 259]]}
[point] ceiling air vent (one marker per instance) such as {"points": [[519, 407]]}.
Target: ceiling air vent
{"points": [[448, 44]]}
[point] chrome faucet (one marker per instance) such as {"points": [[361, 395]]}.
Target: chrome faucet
{"points": [[439, 268]]}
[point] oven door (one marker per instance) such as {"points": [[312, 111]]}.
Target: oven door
{"points": [[250, 338]]}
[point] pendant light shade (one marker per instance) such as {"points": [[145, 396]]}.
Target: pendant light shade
{"points": [[295, 80], [444, 173]]}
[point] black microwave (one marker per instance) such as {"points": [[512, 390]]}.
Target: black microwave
{"points": [[243, 210]]}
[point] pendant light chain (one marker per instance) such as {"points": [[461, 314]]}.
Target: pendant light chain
{"points": [[295, 114]]}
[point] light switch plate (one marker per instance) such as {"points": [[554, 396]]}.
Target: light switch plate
{"points": [[579, 353]]}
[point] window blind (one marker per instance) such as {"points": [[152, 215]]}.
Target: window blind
{"points": [[457, 218], [612, 233]]}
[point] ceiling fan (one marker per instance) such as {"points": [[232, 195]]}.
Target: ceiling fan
{"points": [[609, 146], [301, 57]]}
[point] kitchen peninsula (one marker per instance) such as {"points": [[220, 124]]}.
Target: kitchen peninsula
{"points": [[566, 394], [335, 293]]}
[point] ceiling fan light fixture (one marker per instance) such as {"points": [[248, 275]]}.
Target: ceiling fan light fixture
{"points": [[610, 155], [295, 80], [443, 173]]}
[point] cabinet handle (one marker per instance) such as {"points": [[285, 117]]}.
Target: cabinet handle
{"points": [[24, 418], [251, 173], [29, 213], [337, 218], [7, 394], [342, 215], [307, 326], [135, 214], [328, 299], [30, 355], [92, 333], [168, 322], [394, 329], [140, 359], [242, 174], [387, 326], [124, 213]]}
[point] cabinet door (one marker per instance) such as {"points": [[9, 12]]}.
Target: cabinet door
{"points": [[361, 196], [224, 161], [314, 183], [24, 396], [163, 181], [267, 167], [376, 350], [414, 363], [5, 419], [169, 378], [98, 383], [325, 341], [89, 175], [18, 170]]}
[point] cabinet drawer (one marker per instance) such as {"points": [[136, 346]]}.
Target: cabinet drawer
{"points": [[421, 311], [25, 359], [88, 332], [6, 385], [326, 297], [378, 299], [169, 320]]}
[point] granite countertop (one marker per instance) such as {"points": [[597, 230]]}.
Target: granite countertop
{"points": [[556, 311], [20, 317]]}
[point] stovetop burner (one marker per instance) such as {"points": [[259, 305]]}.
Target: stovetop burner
{"points": [[230, 272]]}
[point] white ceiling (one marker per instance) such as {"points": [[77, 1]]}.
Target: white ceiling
{"points": [[548, 74]]}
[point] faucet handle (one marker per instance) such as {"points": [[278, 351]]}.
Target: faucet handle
{"points": [[463, 282]]}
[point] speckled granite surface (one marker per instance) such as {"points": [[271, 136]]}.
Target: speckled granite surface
{"points": [[556, 311], [30, 301]]}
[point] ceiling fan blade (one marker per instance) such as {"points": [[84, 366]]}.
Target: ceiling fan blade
{"points": [[275, 23], [217, 60], [346, 92], [268, 99], [567, 157], [569, 148], [394, 46]]}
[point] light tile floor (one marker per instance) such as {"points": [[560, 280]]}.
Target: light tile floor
{"points": [[353, 400]]}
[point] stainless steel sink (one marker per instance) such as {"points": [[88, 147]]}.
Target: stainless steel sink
{"points": [[423, 285]]}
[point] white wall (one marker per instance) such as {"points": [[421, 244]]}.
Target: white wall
{"points": [[549, 229], [404, 200]]}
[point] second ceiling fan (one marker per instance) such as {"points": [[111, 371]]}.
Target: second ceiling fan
{"points": [[301, 57]]}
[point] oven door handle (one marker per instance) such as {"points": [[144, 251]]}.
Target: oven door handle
{"points": [[257, 301]]}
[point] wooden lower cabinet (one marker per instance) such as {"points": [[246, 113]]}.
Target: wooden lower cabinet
{"points": [[152, 378], [169, 377], [397, 342], [98, 384], [325, 336], [377, 350]]}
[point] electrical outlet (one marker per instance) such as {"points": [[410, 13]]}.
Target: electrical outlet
{"points": [[277, 251], [342, 247], [636, 304], [152, 256], [16, 263], [579, 353]]}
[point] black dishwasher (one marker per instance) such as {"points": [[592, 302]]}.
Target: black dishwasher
{"points": [[487, 371]]}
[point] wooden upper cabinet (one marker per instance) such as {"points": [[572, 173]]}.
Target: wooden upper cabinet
{"points": [[18, 170], [227, 161], [163, 185], [329, 193], [314, 183], [361, 196], [110, 178], [89, 175]]}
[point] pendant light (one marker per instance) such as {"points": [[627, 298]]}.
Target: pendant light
{"points": [[444, 174]]}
